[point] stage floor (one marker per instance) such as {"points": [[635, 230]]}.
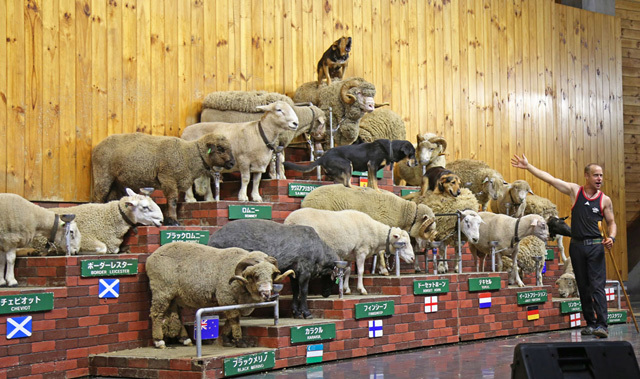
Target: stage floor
{"points": [[489, 358]]}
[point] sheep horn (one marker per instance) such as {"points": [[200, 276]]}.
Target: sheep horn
{"points": [[282, 276], [441, 141], [348, 98], [243, 264], [422, 230], [378, 105], [146, 191], [240, 278]]}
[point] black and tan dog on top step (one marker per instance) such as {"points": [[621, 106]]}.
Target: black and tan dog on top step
{"points": [[339, 162], [334, 61], [440, 180]]}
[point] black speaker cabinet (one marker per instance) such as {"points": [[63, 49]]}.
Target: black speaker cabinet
{"points": [[592, 359]]}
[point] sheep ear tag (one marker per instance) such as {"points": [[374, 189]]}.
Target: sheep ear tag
{"points": [[209, 151]]}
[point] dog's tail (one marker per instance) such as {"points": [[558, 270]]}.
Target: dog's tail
{"points": [[300, 167]]}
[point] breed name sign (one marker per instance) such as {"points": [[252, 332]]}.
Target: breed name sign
{"points": [[530, 297], [617, 317], [428, 287], [249, 363], [484, 284], [192, 236], [319, 332], [240, 212], [570, 306], [377, 309], [28, 302], [108, 267], [301, 190]]}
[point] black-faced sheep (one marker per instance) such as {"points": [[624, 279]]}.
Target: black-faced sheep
{"points": [[20, 223], [447, 226], [549, 211], [349, 101], [485, 182], [196, 276], [295, 247], [429, 153], [169, 163], [382, 123], [103, 226], [382, 206], [507, 232], [513, 201], [252, 142], [354, 236]]}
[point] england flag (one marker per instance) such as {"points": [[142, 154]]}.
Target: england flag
{"points": [[430, 304], [611, 295], [575, 320]]}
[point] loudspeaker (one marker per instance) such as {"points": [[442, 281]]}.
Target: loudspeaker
{"points": [[592, 359]]}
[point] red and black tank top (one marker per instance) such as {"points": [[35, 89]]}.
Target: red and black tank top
{"points": [[585, 214]]}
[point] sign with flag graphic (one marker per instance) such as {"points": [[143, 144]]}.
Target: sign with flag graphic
{"points": [[314, 353], [209, 328], [364, 182], [19, 327], [610, 292], [533, 313], [109, 288], [575, 320], [375, 328], [430, 304], [485, 299]]}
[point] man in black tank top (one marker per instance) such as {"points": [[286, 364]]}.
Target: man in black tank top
{"points": [[590, 206]]}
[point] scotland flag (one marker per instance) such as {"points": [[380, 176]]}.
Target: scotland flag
{"points": [[19, 327]]}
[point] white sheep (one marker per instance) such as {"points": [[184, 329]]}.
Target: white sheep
{"points": [[197, 276], [139, 160], [20, 222], [507, 232], [485, 182], [429, 153], [252, 143], [354, 236], [447, 226], [513, 201], [549, 211], [382, 123], [567, 285], [349, 101], [103, 226]]}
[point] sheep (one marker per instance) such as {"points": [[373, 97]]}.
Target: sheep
{"points": [[349, 101], [103, 226], [20, 223], [567, 285], [381, 123], [252, 143], [528, 249], [196, 276], [485, 182], [429, 153], [513, 200], [354, 236], [508, 232], [447, 226], [549, 211], [382, 206], [295, 247], [139, 160]]}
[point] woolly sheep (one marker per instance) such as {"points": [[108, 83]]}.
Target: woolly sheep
{"points": [[139, 160], [485, 182], [508, 232], [249, 143], [349, 101], [103, 226], [295, 247], [382, 206], [197, 276], [549, 211], [381, 123], [513, 200], [446, 226], [354, 236], [567, 285], [20, 223], [528, 249], [429, 153]]}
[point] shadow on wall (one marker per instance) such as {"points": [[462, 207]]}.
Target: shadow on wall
{"points": [[633, 258]]}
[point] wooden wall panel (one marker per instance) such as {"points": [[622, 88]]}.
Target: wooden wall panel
{"points": [[495, 77]]}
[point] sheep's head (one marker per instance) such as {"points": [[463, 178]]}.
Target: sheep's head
{"points": [[494, 186], [470, 225], [68, 232], [141, 209], [319, 124], [425, 225], [558, 226], [215, 150], [539, 226], [280, 115], [567, 286], [429, 148], [360, 92], [519, 190], [400, 243], [258, 275], [449, 184]]}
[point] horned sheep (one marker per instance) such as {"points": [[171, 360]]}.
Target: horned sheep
{"points": [[295, 247], [20, 223], [349, 101], [507, 232], [383, 206], [381, 124], [485, 182], [196, 276], [354, 236], [103, 226], [513, 201], [252, 142], [169, 163], [429, 153]]}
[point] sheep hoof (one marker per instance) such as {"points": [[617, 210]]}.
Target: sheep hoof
{"points": [[347, 291], [418, 270], [363, 291], [13, 283], [187, 342], [159, 344], [384, 271]]}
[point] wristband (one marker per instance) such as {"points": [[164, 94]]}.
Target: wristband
{"points": [[613, 239]]}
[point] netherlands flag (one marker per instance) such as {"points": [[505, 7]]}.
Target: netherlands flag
{"points": [[485, 299]]}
